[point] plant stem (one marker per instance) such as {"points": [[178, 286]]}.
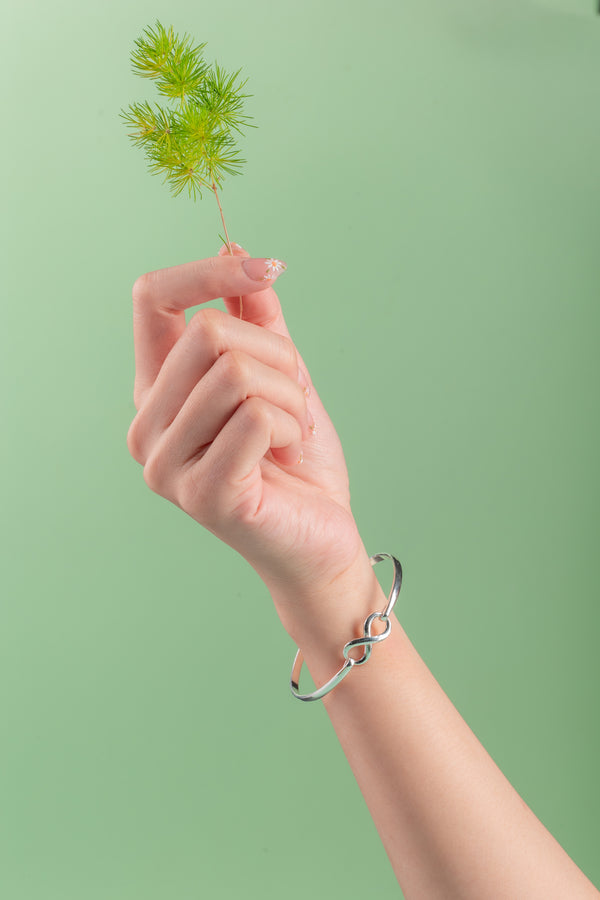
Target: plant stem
{"points": [[214, 187]]}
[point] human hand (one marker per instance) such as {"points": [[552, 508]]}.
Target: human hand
{"points": [[223, 418]]}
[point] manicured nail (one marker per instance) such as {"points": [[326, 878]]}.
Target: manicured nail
{"points": [[263, 269], [302, 381]]}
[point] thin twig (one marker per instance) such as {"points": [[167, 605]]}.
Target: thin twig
{"points": [[229, 247]]}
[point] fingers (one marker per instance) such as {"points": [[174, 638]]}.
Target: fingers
{"points": [[227, 475], [161, 298], [221, 398], [234, 379], [209, 336]]}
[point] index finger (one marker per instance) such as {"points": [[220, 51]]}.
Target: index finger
{"points": [[160, 299]]}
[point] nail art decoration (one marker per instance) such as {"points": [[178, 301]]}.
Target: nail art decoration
{"points": [[274, 268]]}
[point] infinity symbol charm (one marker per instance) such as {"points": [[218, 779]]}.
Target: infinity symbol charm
{"points": [[369, 639]]}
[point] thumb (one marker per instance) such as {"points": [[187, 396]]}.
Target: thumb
{"points": [[261, 307]]}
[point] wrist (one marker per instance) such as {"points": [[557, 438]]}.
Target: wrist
{"points": [[321, 618]]}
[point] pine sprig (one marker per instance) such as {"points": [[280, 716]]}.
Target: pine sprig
{"points": [[191, 145]]}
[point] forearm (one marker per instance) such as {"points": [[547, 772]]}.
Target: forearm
{"points": [[451, 823]]}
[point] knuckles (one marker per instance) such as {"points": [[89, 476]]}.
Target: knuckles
{"points": [[196, 496], [134, 442], [289, 356], [156, 474], [208, 328], [143, 289], [232, 369], [195, 487], [256, 414], [211, 328]]}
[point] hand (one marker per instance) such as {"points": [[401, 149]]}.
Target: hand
{"points": [[223, 419]]}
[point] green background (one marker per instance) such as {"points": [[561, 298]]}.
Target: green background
{"points": [[429, 171]]}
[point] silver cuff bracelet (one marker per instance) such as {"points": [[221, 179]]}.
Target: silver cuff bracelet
{"points": [[367, 641]]}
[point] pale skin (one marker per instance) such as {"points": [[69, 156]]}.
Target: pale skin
{"points": [[225, 410]]}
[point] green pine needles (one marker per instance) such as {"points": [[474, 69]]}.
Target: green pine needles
{"points": [[192, 143]]}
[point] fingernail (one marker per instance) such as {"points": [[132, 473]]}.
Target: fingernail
{"points": [[224, 249], [263, 269], [302, 379], [311, 422], [300, 458]]}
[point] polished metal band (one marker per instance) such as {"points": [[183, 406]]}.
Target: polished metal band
{"points": [[366, 641]]}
